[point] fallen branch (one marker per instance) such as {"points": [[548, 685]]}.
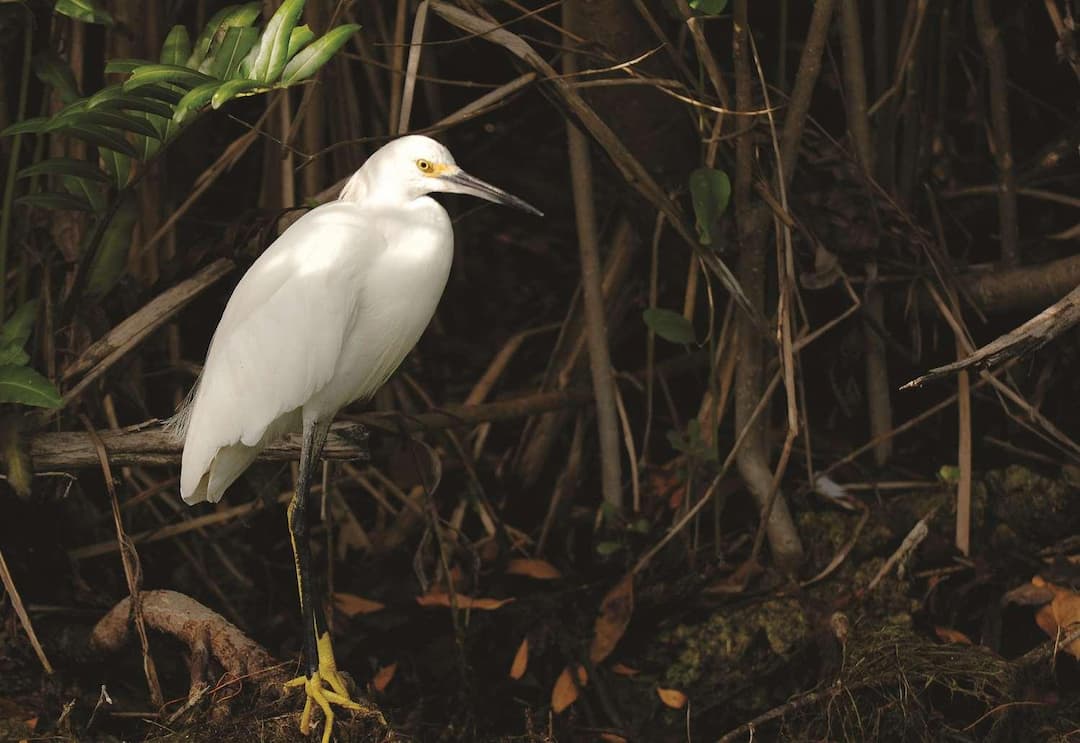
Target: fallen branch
{"points": [[913, 539], [347, 440], [208, 636], [1002, 289], [105, 351], [1035, 333]]}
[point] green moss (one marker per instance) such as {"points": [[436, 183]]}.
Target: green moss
{"points": [[1036, 508], [890, 598], [725, 641], [826, 532]]}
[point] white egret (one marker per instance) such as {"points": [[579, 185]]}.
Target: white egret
{"points": [[321, 319]]}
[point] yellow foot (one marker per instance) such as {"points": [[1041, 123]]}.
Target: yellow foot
{"points": [[318, 693]]}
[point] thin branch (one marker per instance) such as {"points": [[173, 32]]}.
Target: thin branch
{"points": [[20, 611], [415, 47], [990, 38], [632, 170], [603, 379]]}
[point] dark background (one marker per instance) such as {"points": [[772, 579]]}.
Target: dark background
{"points": [[949, 650]]}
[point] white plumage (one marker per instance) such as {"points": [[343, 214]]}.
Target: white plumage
{"points": [[327, 312]]}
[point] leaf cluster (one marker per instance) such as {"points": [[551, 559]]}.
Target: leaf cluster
{"points": [[130, 122]]}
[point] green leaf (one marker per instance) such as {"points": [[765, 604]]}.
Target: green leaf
{"points": [[164, 73], [610, 513], [83, 10], [307, 62], [56, 200], [26, 126], [669, 325], [231, 52], [111, 257], [607, 548], [89, 190], [65, 115], [114, 97], [55, 73], [274, 45], [196, 98], [709, 7], [106, 118], [21, 384], [201, 47], [177, 46], [300, 37], [692, 443], [118, 165], [65, 166], [678, 441], [949, 474], [17, 328], [233, 88], [164, 92], [13, 355], [231, 16], [124, 65], [100, 136], [710, 192], [149, 146]]}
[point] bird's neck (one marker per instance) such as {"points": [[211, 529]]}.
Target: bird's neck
{"points": [[356, 188], [361, 189]]}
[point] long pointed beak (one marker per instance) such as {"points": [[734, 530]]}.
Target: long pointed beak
{"points": [[467, 184]]}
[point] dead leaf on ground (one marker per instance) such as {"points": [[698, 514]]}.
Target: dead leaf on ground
{"points": [[521, 660], [615, 612], [671, 697], [955, 636], [1061, 616], [539, 569], [1035, 593], [624, 670], [565, 691], [438, 598], [612, 738], [352, 605], [383, 677], [737, 581]]}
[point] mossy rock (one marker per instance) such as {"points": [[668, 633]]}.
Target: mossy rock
{"points": [[717, 652], [1036, 508]]}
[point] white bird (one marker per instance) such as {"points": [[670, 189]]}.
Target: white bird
{"points": [[323, 318]]}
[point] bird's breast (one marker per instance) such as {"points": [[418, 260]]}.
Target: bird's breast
{"points": [[395, 300]]}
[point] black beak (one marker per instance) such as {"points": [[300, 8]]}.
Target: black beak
{"points": [[464, 183]]}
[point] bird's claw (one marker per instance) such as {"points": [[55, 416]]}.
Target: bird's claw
{"points": [[317, 692]]}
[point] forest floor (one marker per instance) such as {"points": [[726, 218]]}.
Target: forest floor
{"points": [[890, 635]]}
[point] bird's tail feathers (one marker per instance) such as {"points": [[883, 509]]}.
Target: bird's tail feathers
{"points": [[177, 426]]}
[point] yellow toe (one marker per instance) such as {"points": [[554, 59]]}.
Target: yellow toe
{"points": [[322, 692]]}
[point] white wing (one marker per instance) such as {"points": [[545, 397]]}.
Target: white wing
{"points": [[278, 342]]}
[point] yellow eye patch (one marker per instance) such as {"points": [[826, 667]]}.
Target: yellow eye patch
{"points": [[429, 168]]}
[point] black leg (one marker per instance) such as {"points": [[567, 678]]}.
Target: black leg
{"points": [[321, 681], [313, 620]]}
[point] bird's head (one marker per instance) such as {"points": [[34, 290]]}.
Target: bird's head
{"points": [[414, 166]]}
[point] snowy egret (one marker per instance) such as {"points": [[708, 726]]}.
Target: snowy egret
{"points": [[321, 319]]}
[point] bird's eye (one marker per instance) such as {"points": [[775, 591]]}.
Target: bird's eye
{"points": [[424, 165]]}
